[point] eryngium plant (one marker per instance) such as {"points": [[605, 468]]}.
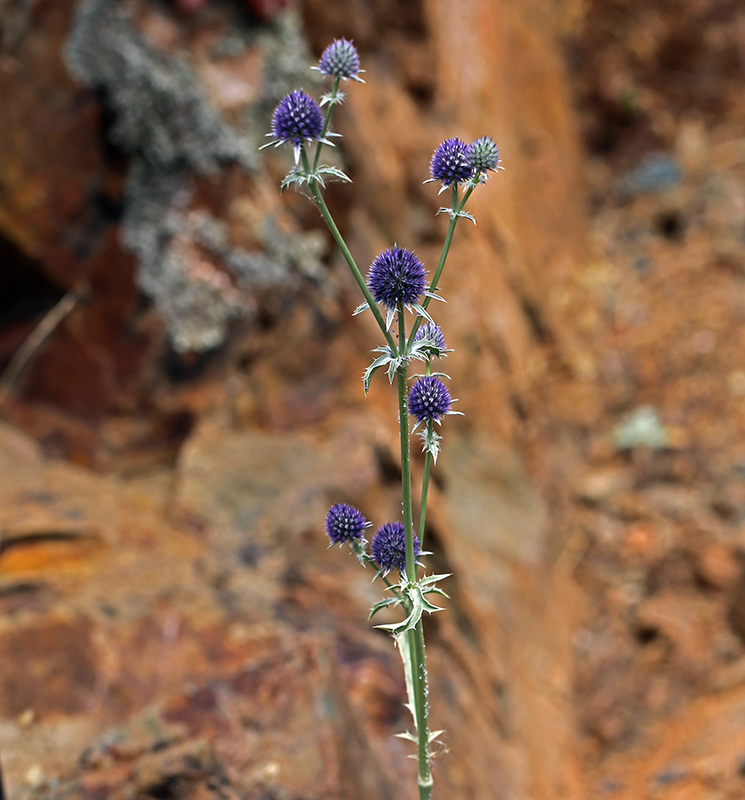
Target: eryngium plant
{"points": [[396, 281]]}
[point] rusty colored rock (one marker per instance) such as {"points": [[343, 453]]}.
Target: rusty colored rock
{"points": [[718, 566], [51, 669], [193, 635]]}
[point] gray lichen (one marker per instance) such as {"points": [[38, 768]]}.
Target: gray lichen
{"points": [[163, 121], [161, 113]]}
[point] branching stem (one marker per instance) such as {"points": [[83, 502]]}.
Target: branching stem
{"points": [[348, 257], [457, 208], [326, 122], [416, 637], [425, 488]]}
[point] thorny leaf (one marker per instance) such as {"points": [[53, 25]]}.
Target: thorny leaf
{"points": [[425, 347], [418, 604], [435, 296], [454, 214], [403, 644], [334, 172], [380, 361], [389, 318], [381, 604], [431, 442], [422, 312], [333, 99]]}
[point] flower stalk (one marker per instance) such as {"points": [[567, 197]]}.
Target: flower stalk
{"points": [[395, 282], [327, 121], [457, 212], [348, 257], [425, 488]]}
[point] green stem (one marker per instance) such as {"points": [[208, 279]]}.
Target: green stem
{"points": [[427, 467], [403, 416], [368, 560], [339, 239], [425, 488], [422, 707], [416, 637], [457, 208], [326, 122]]}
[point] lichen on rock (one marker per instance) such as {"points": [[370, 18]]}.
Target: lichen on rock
{"points": [[198, 281], [161, 113]]}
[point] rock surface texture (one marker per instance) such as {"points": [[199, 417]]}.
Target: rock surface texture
{"points": [[180, 630], [171, 623]]}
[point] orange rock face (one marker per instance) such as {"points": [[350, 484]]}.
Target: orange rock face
{"points": [[190, 631]]}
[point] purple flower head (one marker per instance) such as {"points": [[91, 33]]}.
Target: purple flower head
{"points": [[433, 332], [344, 523], [449, 163], [340, 60], [297, 119], [396, 276], [429, 399], [483, 155], [389, 547]]}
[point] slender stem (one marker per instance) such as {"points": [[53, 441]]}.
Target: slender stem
{"points": [[326, 122], [457, 208], [416, 637], [339, 239], [427, 467], [403, 415], [422, 707], [369, 560], [425, 488]]}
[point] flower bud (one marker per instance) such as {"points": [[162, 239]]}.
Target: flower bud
{"points": [[483, 155], [344, 523], [389, 547], [429, 399], [449, 163], [396, 276], [340, 60], [297, 119]]}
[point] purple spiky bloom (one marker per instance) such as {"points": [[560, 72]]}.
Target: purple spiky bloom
{"points": [[433, 332], [483, 155], [449, 163], [429, 399], [344, 523], [297, 119], [389, 547], [396, 276], [340, 60]]}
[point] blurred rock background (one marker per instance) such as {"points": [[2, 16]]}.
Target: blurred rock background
{"points": [[181, 401]]}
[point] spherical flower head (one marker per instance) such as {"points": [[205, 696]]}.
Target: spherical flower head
{"points": [[449, 163], [429, 399], [396, 276], [433, 332], [340, 60], [344, 523], [297, 119], [483, 155], [389, 547]]}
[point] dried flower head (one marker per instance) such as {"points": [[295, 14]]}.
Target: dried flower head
{"points": [[483, 155], [345, 523], [429, 399], [340, 60], [449, 163], [396, 276], [389, 547], [297, 119], [433, 332]]}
